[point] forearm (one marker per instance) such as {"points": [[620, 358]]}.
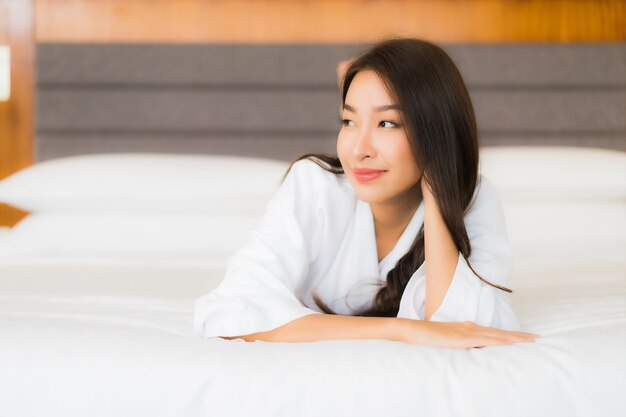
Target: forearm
{"points": [[316, 327], [441, 255]]}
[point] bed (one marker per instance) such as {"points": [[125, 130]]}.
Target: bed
{"points": [[97, 291], [137, 199]]}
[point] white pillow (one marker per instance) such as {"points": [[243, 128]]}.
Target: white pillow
{"points": [[210, 183], [545, 231], [555, 173], [145, 182], [127, 235]]}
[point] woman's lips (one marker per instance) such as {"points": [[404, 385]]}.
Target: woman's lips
{"points": [[367, 175]]}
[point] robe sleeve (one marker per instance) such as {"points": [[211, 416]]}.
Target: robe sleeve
{"points": [[468, 298], [258, 291]]}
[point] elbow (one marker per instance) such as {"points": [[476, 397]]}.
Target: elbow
{"points": [[248, 337], [235, 337]]}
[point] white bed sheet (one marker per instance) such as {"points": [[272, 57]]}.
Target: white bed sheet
{"points": [[64, 276], [100, 349]]}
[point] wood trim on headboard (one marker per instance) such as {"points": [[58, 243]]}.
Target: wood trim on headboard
{"points": [[16, 114]]}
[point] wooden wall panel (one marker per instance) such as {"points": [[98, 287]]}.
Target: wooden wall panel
{"points": [[329, 21], [16, 115]]}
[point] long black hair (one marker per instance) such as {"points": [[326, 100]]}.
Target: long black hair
{"points": [[441, 126]]}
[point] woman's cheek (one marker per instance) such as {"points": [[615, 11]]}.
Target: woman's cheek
{"points": [[396, 152], [342, 148], [402, 156]]}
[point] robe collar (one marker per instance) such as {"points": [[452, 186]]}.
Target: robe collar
{"points": [[367, 237]]}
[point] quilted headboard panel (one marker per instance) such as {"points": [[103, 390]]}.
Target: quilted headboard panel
{"points": [[280, 101]]}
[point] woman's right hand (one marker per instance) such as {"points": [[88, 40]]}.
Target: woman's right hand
{"points": [[458, 335], [342, 66]]}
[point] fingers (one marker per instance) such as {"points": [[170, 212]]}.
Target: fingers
{"points": [[514, 337], [491, 335], [342, 66], [507, 338], [507, 334], [482, 342], [468, 334]]}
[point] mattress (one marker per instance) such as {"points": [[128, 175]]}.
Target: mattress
{"points": [[92, 326], [117, 339]]}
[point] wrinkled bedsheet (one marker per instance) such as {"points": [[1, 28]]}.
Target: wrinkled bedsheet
{"points": [[121, 354]]}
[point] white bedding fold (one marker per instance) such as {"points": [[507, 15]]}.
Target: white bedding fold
{"points": [[134, 356]]}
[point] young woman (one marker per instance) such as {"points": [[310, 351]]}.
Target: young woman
{"points": [[397, 237]]}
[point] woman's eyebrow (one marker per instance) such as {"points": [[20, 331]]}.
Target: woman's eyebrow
{"points": [[381, 108]]}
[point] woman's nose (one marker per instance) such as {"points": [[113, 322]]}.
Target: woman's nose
{"points": [[363, 144]]}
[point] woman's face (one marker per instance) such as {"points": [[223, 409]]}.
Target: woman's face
{"points": [[372, 137]]}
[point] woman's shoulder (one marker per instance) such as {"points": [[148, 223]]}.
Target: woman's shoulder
{"points": [[486, 199], [485, 192], [487, 184], [317, 199], [309, 175]]}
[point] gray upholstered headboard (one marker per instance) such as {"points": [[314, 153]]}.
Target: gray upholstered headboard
{"points": [[280, 101]]}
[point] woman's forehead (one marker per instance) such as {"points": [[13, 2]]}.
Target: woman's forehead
{"points": [[368, 92]]}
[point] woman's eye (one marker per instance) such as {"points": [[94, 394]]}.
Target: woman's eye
{"points": [[388, 121], [344, 122]]}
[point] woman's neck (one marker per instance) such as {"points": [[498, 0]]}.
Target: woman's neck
{"points": [[392, 217]]}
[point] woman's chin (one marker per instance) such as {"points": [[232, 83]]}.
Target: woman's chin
{"points": [[370, 196]]}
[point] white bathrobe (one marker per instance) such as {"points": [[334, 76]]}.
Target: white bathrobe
{"points": [[317, 236]]}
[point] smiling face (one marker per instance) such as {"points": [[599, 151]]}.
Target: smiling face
{"points": [[372, 137]]}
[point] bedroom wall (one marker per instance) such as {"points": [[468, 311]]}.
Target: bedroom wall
{"points": [[82, 22]]}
